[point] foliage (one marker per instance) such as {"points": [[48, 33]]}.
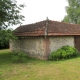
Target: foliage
{"points": [[73, 12], [9, 16], [5, 36], [64, 52], [10, 13], [19, 56]]}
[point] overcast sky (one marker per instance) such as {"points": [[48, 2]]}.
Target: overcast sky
{"points": [[38, 10]]}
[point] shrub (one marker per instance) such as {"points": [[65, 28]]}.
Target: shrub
{"points": [[19, 56], [64, 52]]}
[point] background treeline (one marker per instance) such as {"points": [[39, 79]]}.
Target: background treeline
{"points": [[5, 36], [5, 46]]}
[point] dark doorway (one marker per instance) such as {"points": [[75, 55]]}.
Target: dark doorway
{"points": [[77, 43]]}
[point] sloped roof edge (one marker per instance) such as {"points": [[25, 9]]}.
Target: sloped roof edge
{"points": [[52, 28]]}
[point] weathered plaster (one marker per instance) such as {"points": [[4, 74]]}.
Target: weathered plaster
{"points": [[58, 42], [33, 46], [41, 47]]}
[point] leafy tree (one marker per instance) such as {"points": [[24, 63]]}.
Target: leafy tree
{"points": [[73, 12], [5, 36], [10, 13], [9, 16]]}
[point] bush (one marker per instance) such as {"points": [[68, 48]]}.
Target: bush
{"points": [[64, 52], [19, 56]]}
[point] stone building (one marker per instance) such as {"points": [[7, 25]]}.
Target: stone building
{"points": [[41, 38]]}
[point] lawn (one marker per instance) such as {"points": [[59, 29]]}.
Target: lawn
{"points": [[34, 69]]}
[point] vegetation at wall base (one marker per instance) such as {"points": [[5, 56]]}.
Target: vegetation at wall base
{"points": [[19, 56], [65, 52]]}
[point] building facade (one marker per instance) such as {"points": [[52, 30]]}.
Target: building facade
{"points": [[40, 39]]}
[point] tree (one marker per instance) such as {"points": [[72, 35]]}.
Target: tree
{"points": [[9, 16], [73, 12], [10, 13], [5, 36]]}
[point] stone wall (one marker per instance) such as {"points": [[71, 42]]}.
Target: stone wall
{"points": [[58, 42], [33, 46], [40, 47]]}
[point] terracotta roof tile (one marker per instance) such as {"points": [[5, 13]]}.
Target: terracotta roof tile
{"points": [[54, 28]]}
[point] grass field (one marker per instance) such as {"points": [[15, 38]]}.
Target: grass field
{"points": [[34, 69]]}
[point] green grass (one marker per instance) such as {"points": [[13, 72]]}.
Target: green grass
{"points": [[34, 69]]}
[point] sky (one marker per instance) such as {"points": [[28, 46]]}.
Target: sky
{"points": [[39, 10]]}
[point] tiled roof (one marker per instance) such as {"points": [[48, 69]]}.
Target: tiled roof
{"points": [[52, 28]]}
